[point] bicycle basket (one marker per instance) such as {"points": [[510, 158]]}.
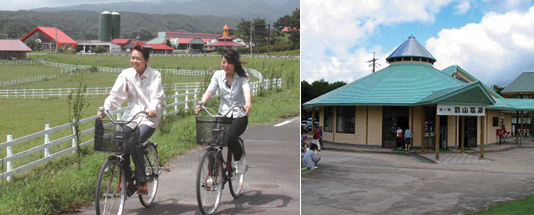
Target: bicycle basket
{"points": [[211, 131], [110, 137]]}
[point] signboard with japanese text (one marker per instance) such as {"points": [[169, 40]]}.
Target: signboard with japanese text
{"points": [[461, 110]]}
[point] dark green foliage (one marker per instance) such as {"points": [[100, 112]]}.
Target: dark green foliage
{"points": [[83, 25], [9, 29], [100, 49], [317, 88], [243, 31], [293, 22], [34, 45]]}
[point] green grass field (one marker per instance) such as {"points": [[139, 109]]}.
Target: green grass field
{"points": [[519, 207], [14, 72]]}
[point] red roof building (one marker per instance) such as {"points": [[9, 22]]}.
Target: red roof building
{"points": [[13, 49], [226, 42], [48, 37], [121, 42], [288, 29], [160, 49]]}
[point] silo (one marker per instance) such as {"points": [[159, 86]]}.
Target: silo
{"points": [[115, 25], [105, 26]]}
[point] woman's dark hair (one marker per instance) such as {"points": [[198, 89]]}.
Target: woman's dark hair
{"points": [[233, 58], [141, 49]]}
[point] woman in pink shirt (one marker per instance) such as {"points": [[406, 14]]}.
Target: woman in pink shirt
{"points": [[141, 86]]}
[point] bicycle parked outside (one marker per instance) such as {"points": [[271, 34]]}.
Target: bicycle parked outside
{"points": [[116, 181], [213, 171]]}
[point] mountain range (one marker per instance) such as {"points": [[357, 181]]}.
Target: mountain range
{"points": [[241, 9]]}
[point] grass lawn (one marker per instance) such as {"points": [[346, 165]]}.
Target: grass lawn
{"points": [[519, 207], [14, 72]]}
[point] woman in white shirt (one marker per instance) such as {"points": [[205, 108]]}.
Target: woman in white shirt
{"points": [[233, 84], [142, 87]]}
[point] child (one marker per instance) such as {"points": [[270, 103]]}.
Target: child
{"points": [[311, 157]]}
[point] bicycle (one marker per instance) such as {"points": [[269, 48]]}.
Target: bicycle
{"points": [[213, 132], [115, 182]]}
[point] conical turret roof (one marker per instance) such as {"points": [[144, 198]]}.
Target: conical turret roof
{"points": [[411, 49]]}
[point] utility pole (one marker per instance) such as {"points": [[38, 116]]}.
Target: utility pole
{"points": [[250, 41], [56, 39], [374, 63], [269, 40], [165, 37]]}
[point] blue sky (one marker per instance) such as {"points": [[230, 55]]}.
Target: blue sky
{"points": [[493, 40]]}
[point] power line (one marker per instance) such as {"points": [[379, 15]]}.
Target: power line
{"points": [[373, 62]]}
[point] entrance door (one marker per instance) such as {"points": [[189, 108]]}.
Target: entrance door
{"points": [[393, 117], [470, 130]]}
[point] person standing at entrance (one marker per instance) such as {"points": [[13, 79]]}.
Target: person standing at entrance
{"points": [[399, 138], [316, 136], [408, 138]]}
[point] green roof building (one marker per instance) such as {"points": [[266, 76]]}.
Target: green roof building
{"points": [[445, 108]]}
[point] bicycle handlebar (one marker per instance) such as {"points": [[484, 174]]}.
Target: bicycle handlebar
{"points": [[201, 104], [109, 114]]}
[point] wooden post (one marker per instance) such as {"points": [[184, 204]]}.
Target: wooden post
{"points": [[423, 129], [522, 127], [462, 139], [367, 126], [437, 128], [47, 140], [74, 136], [334, 124], [482, 131], [9, 153], [186, 98], [176, 100], [517, 127]]}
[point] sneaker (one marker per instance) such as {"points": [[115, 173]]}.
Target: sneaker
{"points": [[240, 166], [143, 189]]}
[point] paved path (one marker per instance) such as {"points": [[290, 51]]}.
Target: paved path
{"points": [[378, 183], [272, 183], [455, 158]]}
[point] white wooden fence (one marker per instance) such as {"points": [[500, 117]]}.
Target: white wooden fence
{"points": [[173, 101], [70, 68], [28, 80]]}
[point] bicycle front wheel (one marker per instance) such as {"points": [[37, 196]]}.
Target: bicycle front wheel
{"points": [[209, 183], [110, 190], [151, 170], [236, 180]]}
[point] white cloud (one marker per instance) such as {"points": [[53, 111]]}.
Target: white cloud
{"points": [[463, 7], [496, 50], [331, 28]]}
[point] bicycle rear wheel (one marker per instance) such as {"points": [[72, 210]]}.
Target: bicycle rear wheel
{"points": [[209, 183], [236, 180], [110, 192], [151, 170]]}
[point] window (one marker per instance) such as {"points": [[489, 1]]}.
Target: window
{"points": [[328, 111], [345, 120], [495, 121]]}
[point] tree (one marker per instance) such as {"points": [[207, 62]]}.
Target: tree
{"points": [[317, 88], [498, 89], [34, 45], [99, 49], [9, 30], [243, 31], [294, 25]]}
